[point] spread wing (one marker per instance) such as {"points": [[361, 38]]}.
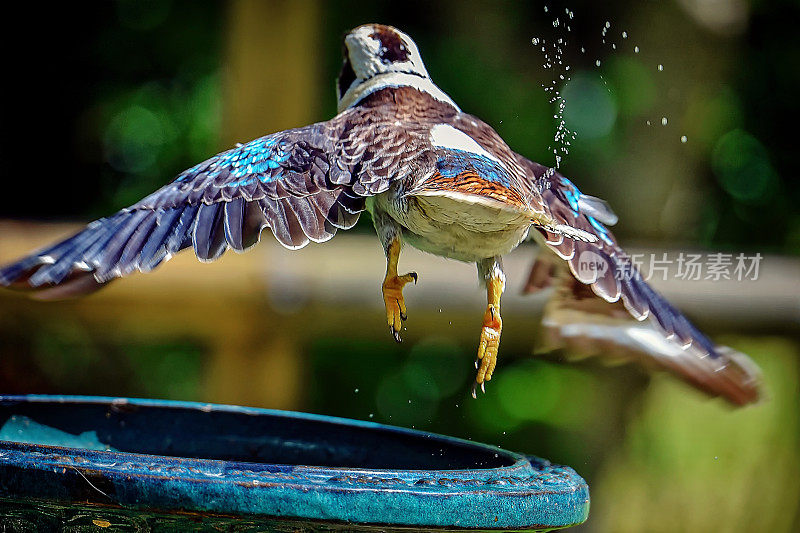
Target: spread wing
{"points": [[574, 319], [304, 184]]}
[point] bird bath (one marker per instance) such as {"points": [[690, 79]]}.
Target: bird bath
{"points": [[102, 462]]}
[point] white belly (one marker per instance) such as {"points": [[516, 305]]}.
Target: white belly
{"points": [[456, 228]]}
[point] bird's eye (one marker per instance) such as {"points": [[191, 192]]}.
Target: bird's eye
{"points": [[394, 54], [393, 49]]}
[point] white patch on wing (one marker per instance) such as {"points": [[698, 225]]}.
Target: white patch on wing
{"points": [[446, 136]]}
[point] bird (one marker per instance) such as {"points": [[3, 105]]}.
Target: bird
{"points": [[431, 176]]}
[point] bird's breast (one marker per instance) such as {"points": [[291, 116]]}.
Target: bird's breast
{"points": [[458, 227]]}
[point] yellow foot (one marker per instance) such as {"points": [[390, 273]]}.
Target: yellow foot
{"points": [[395, 304], [487, 348]]}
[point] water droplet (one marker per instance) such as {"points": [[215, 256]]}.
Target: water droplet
{"points": [[663, 121], [535, 40], [635, 49], [545, 9], [624, 35], [356, 391], [648, 122], [684, 139], [372, 415], [661, 68], [597, 62], [608, 24]]}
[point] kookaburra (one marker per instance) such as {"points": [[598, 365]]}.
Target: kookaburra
{"points": [[430, 175]]}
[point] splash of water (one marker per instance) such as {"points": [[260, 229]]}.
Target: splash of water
{"points": [[553, 54]]}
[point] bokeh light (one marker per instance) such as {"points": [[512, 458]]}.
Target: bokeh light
{"points": [[590, 109], [742, 166]]}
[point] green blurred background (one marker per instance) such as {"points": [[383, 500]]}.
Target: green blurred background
{"points": [[106, 101]]}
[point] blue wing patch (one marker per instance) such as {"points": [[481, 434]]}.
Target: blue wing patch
{"points": [[454, 162], [601, 230], [581, 203], [572, 193], [247, 163]]}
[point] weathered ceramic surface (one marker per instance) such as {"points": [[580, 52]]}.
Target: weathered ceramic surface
{"points": [[177, 457]]}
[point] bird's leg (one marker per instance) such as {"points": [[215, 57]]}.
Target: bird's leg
{"points": [[491, 271], [393, 288], [390, 233]]}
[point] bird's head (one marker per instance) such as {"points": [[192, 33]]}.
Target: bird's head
{"points": [[376, 57]]}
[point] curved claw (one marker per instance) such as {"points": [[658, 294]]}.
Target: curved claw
{"points": [[395, 303], [488, 346], [490, 332], [474, 389]]}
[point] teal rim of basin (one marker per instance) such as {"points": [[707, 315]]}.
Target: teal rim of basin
{"points": [[186, 457]]}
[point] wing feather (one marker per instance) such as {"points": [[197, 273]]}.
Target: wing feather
{"points": [[234, 223], [208, 236], [576, 319], [131, 256], [610, 273], [304, 184], [154, 249]]}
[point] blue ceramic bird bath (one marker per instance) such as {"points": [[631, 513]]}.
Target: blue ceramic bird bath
{"points": [[139, 464]]}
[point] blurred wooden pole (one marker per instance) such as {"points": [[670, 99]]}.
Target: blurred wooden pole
{"points": [[271, 83], [255, 362], [271, 68]]}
